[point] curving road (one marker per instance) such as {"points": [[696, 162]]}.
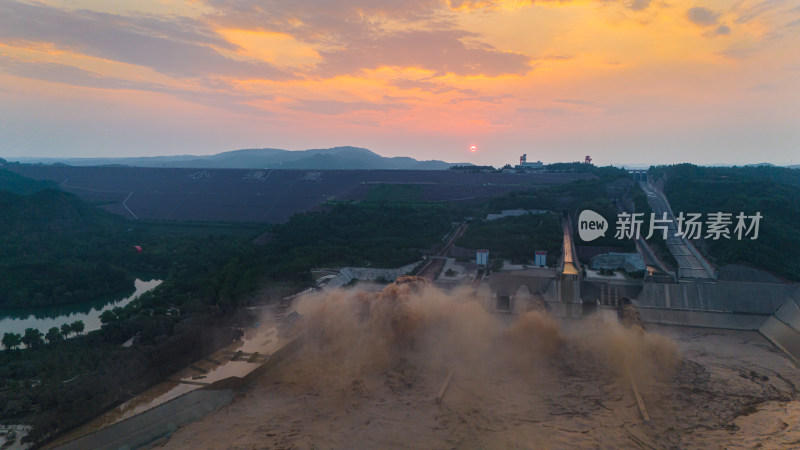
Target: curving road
{"points": [[689, 266]]}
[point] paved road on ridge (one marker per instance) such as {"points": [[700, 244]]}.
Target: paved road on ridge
{"points": [[688, 265]]}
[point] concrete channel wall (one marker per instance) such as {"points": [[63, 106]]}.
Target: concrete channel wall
{"points": [[163, 419], [783, 329], [703, 319], [720, 296], [154, 423], [735, 305]]}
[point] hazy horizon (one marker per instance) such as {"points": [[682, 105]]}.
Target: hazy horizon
{"points": [[27, 159], [634, 82]]}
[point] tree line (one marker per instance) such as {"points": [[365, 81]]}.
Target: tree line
{"points": [[33, 338]]}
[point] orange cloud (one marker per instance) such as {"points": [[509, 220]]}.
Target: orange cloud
{"points": [[280, 49], [417, 67]]}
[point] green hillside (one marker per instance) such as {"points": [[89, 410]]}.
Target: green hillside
{"points": [[772, 191], [58, 249], [516, 238], [12, 182]]}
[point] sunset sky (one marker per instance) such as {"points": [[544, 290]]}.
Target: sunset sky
{"points": [[627, 82]]}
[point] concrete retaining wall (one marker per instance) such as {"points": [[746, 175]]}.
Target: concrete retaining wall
{"points": [[722, 296], [783, 336], [783, 330], [163, 419], [564, 310], [592, 290], [705, 319], [503, 283], [789, 313], [154, 423]]}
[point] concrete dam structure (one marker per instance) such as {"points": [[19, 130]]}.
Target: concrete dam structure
{"points": [[699, 301]]}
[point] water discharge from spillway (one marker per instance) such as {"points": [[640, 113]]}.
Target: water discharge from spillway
{"points": [[351, 334], [415, 367]]}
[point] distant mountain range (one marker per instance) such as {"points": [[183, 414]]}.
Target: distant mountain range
{"points": [[347, 158], [766, 164]]}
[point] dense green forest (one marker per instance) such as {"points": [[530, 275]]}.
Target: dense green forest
{"points": [[171, 332], [599, 194], [772, 191], [363, 235], [395, 193], [516, 238], [57, 249]]}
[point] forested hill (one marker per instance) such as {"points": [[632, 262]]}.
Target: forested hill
{"points": [[58, 249], [50, 210], [772, 191], [13, 182]]}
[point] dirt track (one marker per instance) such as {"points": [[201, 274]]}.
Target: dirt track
{"points": [[548, 385]]}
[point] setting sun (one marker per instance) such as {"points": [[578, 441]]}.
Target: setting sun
{"points": [[631, 81]]}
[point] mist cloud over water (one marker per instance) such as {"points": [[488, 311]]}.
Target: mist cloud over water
{"points": [[351, 334]]}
